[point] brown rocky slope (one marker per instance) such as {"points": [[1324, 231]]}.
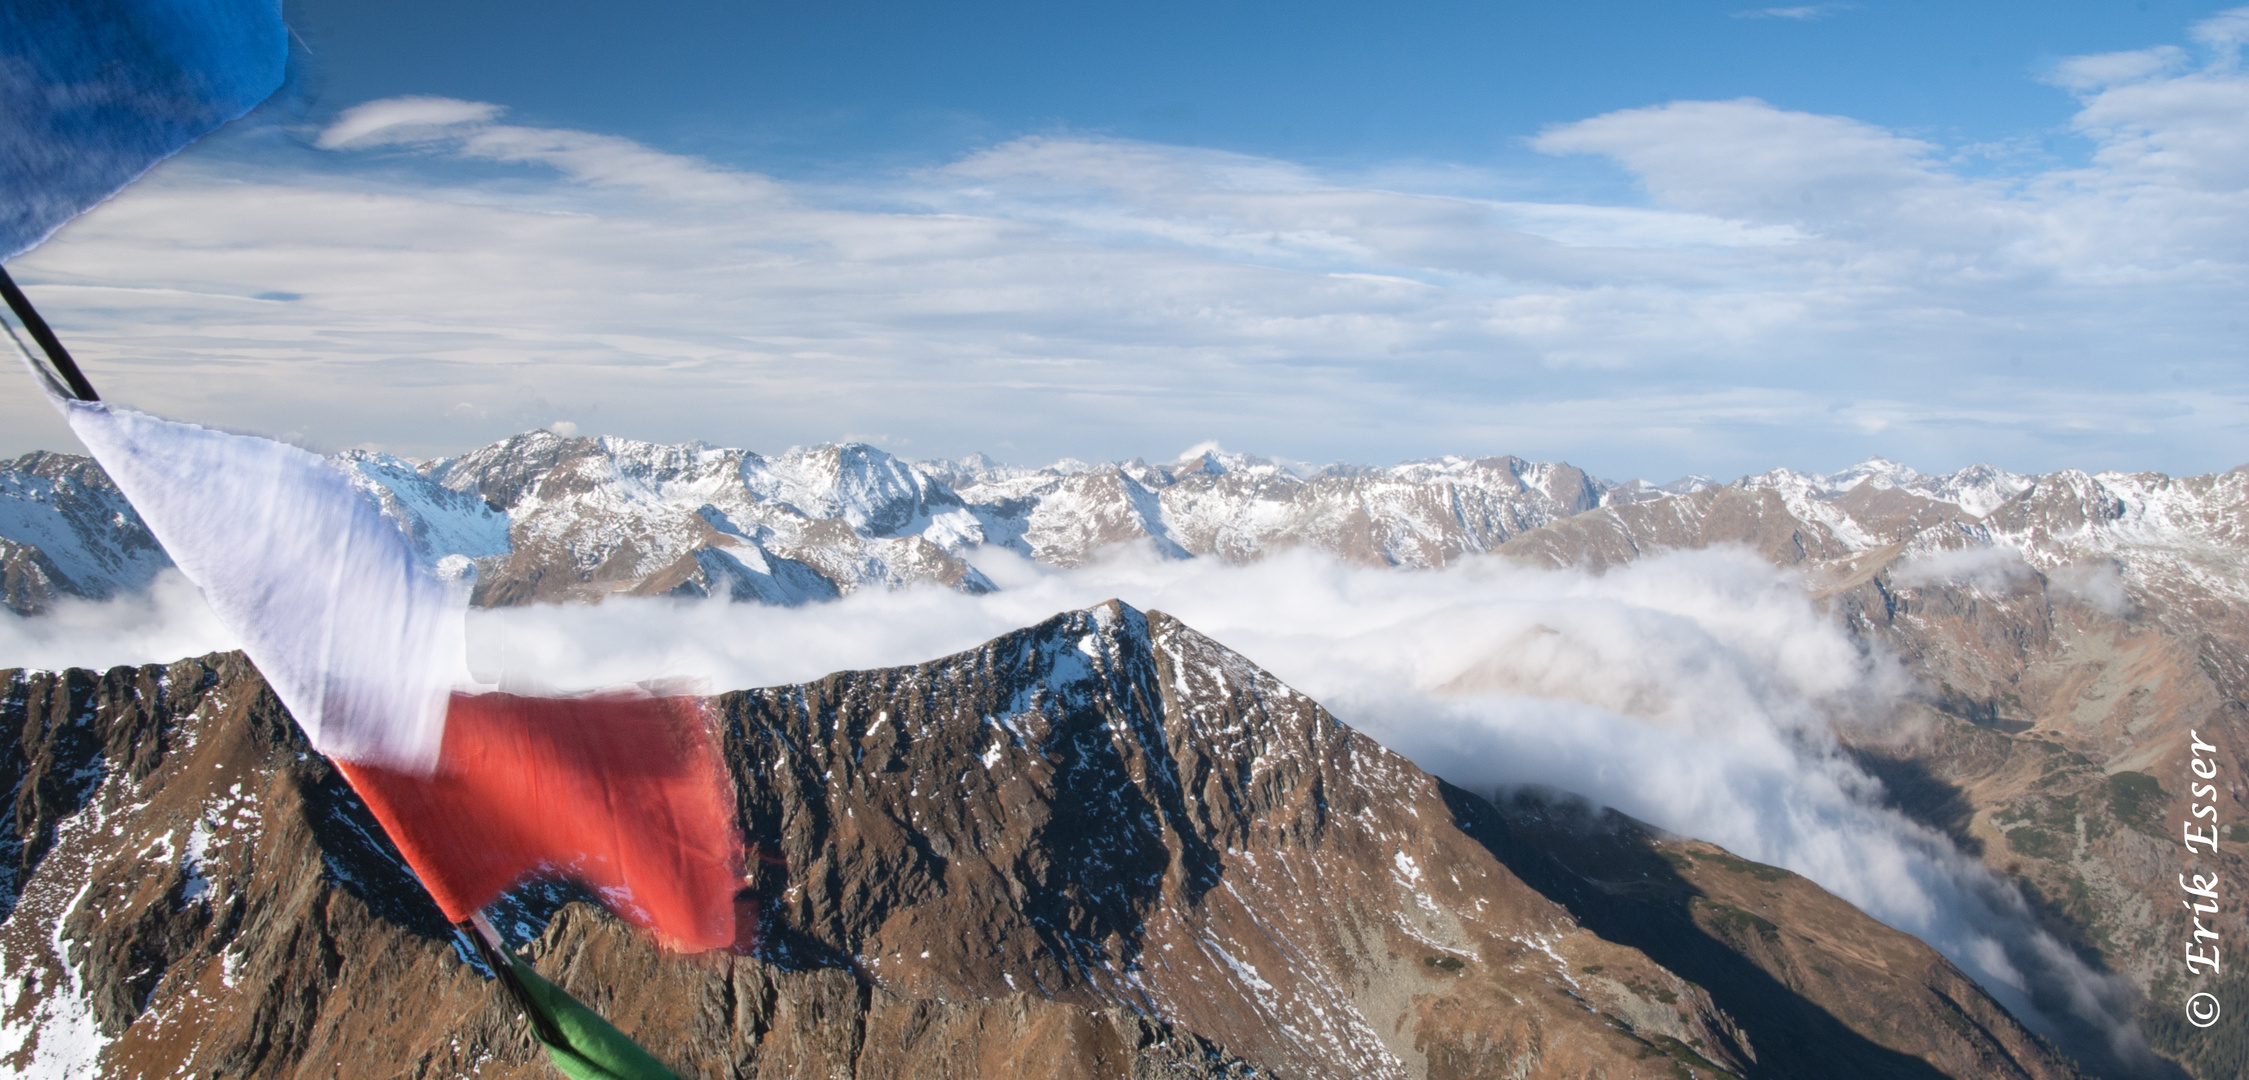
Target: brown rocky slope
{"points": [[2068, 647], [1100, 846]]}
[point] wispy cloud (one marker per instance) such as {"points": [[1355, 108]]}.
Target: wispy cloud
{"points": [[1803, 13], [2226, 31], [1794, 288]]}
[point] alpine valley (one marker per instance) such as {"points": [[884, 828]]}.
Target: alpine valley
{"points": [[1107, 845]]}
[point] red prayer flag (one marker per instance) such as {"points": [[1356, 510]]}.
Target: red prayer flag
{"points": [[626, 793]]}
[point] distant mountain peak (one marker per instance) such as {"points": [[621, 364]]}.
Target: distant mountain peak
{"points": [[541, 515]]}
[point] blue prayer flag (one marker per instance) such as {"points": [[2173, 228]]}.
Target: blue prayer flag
{"points": [[94, 92]]}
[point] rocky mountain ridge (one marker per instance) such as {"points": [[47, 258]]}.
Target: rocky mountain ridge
{"points": [[1103, 846], [542, 517]]}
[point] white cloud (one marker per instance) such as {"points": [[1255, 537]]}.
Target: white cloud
{"points": [[438, 277], [1746, 159], [2178, 146], [1990, 569], [467, 129], [2099, 584], [166, 622], [2226, 31], [2091, 73], [1694, 690], [1803, 13], [404, 120]]}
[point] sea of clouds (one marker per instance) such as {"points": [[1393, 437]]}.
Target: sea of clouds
{"points": [[1699, 691]]}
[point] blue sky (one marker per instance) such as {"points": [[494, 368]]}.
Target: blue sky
{"points": [[1648, 238], [795, 88]]}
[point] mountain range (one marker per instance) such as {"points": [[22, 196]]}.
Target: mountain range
{"points": [[539, 517], [544, 517], [1188, 891]]}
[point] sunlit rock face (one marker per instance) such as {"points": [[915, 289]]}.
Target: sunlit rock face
{"points": [[1104, 845]]}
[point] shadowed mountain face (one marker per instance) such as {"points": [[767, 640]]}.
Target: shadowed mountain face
{"points": [[2070, 644], [1765, 941], [1101, 846]]}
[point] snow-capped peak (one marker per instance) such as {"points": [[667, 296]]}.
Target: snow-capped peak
{"points": [[1881, 472], [875, 492], [1977, 489]]}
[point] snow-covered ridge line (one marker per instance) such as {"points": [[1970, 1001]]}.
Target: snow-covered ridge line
{"points": [[541, 516]]}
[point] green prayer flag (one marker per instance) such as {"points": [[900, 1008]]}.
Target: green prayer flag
{"points": [[589, 1049]]}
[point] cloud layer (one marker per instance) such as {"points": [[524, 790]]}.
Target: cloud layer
{"points": [[166, 622], [1792, 289], [1695, 690]]}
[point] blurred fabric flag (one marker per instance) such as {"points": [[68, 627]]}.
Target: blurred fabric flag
{"points": [[364, 644], [97, 91], [624, 791], [359, 641]]}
